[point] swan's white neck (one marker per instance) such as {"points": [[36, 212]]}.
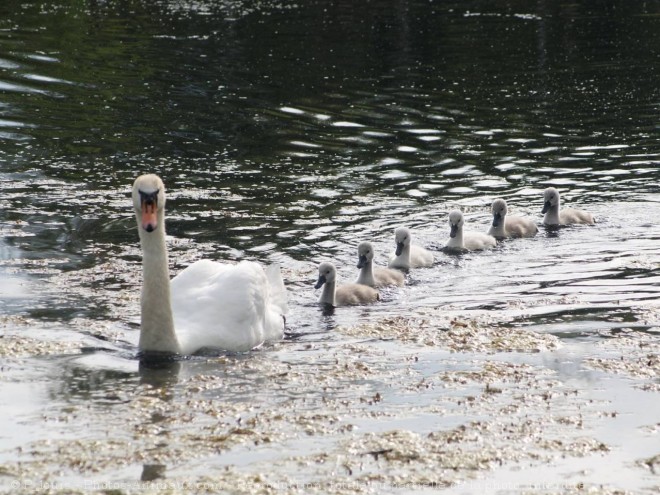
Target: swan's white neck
{"points": [[328, 293], [552, 215], [366, 276], [157, 325]]}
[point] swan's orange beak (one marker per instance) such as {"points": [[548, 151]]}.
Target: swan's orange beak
{"points": [[149, 212]]}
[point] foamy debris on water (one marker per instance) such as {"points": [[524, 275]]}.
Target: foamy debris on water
{"points": [[473, 335]]}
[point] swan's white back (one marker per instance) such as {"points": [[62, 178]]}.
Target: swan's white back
{"points": [[520, 227], [477, 241], [420, 257], [355, 294], [388, 276], [570, 216], [230, 307]]}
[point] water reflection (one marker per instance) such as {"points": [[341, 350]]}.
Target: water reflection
{"points": [[159, 373], [93, 377]]}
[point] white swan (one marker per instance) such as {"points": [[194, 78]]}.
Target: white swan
{"points": [[375, 276], [209, 304], [506, 226], [343, 295], [407, 254], [460, 240], [567, 216]]}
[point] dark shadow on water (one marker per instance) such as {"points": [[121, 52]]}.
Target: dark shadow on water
{"points": [[552, 232], [152, 472], [327, 309], [159, 373]]}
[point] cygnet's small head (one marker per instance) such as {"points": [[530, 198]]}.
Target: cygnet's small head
{"points": [[499, 210], [327, 274], [365, 253], [550, 199], [455, 222], [148, 201], [402, 239]]}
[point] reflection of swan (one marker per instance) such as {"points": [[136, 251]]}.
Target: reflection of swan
{"points": [[407, 254], [375, 276], [211, 305], [344, 295], [460, 240], [507, 226], [567, 216]]}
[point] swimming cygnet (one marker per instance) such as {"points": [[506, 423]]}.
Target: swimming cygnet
{"points": [[507, 226], [567, 216], [460, 240], [407, 254], [344, 295], [375, 276]]}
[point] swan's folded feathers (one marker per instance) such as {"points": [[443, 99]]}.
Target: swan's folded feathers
{"points": [[226, 306]]}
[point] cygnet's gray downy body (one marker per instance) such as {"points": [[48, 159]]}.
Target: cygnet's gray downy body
{"points": [[408, 255], [505, 226], [375, 276], [461, 240], [567, 216], [342, 295]]}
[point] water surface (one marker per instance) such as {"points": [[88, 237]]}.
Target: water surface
{"points": [[291, 132]]}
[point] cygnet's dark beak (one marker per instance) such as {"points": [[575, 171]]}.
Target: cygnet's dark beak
{"points": [[320, 282], [454, 230], [399, 248], [497, 218], [362, 261], [546, 207]]}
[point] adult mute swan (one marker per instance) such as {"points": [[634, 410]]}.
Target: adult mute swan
{"points": [[506, 226], [343, 295], [207, 305], [567, 216], [460, 240], [375, 276], [408, 255]]}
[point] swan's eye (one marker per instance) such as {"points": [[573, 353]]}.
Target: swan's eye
{"points": [[149, 198]]}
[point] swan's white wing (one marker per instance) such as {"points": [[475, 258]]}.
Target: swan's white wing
{"points": [[276, 305], [521, 227], [420, 256], [570, 216], [387, 276], [222, 306], [475, 241], [352, 294], [278, 296]]}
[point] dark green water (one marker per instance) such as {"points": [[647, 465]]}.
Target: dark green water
{"points": [[291, 132]]}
